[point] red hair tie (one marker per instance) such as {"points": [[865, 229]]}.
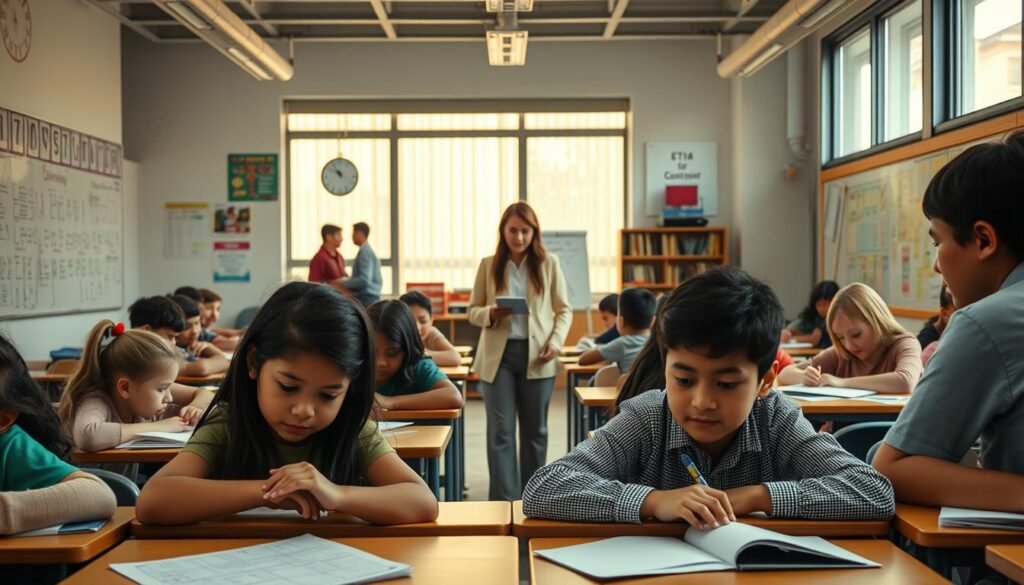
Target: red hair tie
{"points": [[117, 330]]}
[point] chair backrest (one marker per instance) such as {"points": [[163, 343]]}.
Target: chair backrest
{"points": [[124, 489], [245, 317], [62, 367], [607, 376], [858, 438], [871, 452]]}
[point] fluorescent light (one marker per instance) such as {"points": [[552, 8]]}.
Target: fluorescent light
{"points": [[755, 65], [507, 48], [188, 15], [819, 14], [249, 64], [509, 5]]}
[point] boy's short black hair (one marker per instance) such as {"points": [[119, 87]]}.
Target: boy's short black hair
{"points": [[156, 312], [361, 227], [415, 298], [723, 310], [637, 307], [609, 304], [983, 183], [188, 306], [329, 229], [190, 292]]}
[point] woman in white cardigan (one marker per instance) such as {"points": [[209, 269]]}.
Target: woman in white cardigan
{"points": [[515, 357]]}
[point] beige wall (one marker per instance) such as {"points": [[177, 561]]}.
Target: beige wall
{"points": [[72, 76]]}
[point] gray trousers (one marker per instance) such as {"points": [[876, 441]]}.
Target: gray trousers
{"points": [[512, 392]]}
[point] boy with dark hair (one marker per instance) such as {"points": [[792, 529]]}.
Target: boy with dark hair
{"points": [[190, 292], [718, 333], [974, 383], [328, 266], [435, 345], [209, 313], [635, 315], [158, 314], [201, 358]]}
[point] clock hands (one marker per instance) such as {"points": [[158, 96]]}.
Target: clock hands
{"points": [[339, 173]]}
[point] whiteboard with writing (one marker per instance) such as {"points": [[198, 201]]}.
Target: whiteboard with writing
{"points": [[571, 249], [61, 248]]}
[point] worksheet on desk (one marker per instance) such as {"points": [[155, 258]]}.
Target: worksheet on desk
{"points": [[303, 560]]}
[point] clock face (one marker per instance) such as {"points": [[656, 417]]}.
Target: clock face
{"points": [[16, 28], [339, 176]]}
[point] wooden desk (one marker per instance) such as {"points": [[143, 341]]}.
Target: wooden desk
{"points": [[464, 349], [67, 548], [851, 411], [898, 568], [44, 377], [593, 402], [466, 360], [944, 548], [454, 519], [124, 456], [524, 527], [439, 560], [424, 444], [571, 350], [455, 452], [803, 351], [1008, 559], [455, 372], [211, 380], [576, 375]]}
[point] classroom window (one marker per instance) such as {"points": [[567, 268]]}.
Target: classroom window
{"points": [[904, 97], [989, 44], [853, 88], [433, 184]]}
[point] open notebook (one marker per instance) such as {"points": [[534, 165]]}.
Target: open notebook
{"points": [[303, 559], [965, 518], [158, 440], [811, 393], [735, 546]]}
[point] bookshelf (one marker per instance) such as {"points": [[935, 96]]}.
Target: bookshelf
{"points": [[658, 259]]}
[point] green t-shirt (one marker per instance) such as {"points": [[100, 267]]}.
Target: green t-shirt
{"points": [[27, 465], [424, 375], [210, 442]]}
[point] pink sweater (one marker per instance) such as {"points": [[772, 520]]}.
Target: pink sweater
{"points": [[901, 359]]}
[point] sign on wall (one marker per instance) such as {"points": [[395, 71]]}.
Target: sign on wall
{"points": [[252, 177], [692, 169]]}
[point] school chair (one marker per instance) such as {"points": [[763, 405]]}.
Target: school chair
{"points": [[124, 489], [62, 367], [245, 317], [606, 376], [872, 451], [859, 437]]}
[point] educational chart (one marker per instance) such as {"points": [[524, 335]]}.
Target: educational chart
{"points": [[875, 232], [571, 249], [61, 248]]}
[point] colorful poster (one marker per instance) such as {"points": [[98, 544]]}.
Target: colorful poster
{"points": [[252, 177], [232, 262], [186, 230], [232, 219]]}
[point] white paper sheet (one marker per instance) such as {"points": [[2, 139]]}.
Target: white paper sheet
{"points": [[799, 389]]}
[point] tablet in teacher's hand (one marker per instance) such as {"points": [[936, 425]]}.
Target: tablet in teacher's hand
{"points": [[517, 304]]}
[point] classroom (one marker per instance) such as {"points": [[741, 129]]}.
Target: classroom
{"points": [[511, 291]]}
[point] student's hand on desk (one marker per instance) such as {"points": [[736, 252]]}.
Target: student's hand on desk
{"points": [[302, 502], [549, 352], [174, 424], [786, 336], [381, 404], [749, 499], [499, 313], [699, 505], [830, 380], [191, 415], [812, 376], [302, 477]]}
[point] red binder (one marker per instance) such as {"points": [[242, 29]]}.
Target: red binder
{"points": [[681, 195]]}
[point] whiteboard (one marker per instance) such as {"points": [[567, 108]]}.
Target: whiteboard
{"points": [[571, 249], [61, 248], [874, 232]]}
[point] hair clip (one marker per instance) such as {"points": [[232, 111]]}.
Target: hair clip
{"points": [[117, 330]]}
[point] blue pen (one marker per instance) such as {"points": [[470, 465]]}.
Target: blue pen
{"points": [[692, 468]]}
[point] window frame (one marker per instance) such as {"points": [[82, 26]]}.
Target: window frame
{"points": [[396, 107]]}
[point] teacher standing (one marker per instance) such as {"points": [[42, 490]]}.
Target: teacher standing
{"points": [[515, 357]]}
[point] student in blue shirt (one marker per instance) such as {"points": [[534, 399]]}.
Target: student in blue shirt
{"points": [[974, 383], [406, 378]]}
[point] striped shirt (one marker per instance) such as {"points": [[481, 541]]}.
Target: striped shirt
{"points": [[607, 477]]}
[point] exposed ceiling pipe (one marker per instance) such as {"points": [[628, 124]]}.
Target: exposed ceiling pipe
{"points": [[795, 70]]}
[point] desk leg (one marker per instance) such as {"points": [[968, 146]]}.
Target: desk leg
{"points": [[570, 402], [434, 476], [460, 457]]}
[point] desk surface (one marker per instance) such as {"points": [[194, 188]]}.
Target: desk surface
{"points": [[44, 377], [844, 406], [442, 559], [67, 548], [1008, 559], [433, 414], [415, 442], [921, 525], [464, 349], [596, 396], [802, 351], [575, 368], [454, 519], [524, 527], [451, 317], [456, 372], [898, 568], [211, 380]]}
